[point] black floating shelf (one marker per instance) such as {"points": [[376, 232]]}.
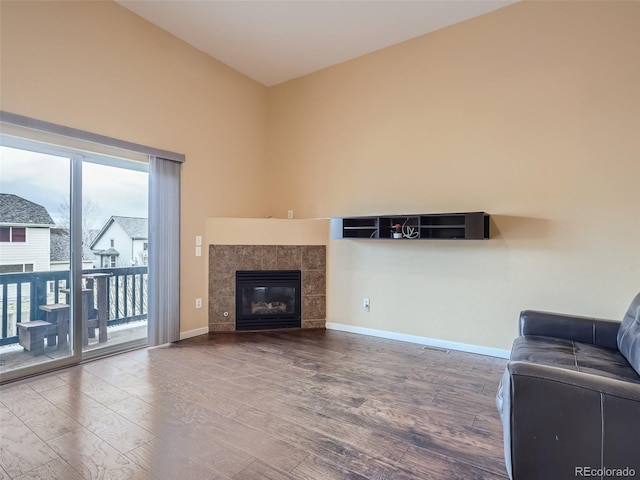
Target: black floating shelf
{"points": [[435, 226]]}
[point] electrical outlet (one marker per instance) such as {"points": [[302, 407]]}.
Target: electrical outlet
{"points": [[198, 251], [198, 240], [198, 303], [289, 214], [366, 304]]}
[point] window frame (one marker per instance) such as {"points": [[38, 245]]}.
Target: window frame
{"points": [[16, 268], [11, 235]]}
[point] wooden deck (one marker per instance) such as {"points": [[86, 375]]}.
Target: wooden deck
{"points": [[295, 405], [13, 356]]}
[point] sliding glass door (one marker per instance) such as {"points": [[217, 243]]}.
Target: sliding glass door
{"points": [[81, 274], [115, 237], [36, 326], [73, 255]]}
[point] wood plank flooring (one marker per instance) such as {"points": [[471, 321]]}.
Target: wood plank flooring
{"points": [[297, 405]]}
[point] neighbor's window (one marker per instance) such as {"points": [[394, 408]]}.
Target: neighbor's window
{"points": [[113, 261], [13, 234], [17, 268], [11, 268]]}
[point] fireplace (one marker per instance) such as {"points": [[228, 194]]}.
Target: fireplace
{"points": [[267, 299], [226, 260]]}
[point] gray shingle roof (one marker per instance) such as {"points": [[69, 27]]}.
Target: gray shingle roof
{"points": [[136, 228], [60, 246], [108, 252], [16, 210]]}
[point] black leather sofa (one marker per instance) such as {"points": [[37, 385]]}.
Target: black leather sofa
{"points": [[569, 398]]}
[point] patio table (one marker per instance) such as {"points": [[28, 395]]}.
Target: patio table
{"points": [[92, 317], [101, 311]]}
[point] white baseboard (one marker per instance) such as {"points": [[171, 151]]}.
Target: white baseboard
{"points": [[194, 333], [432, 342]]}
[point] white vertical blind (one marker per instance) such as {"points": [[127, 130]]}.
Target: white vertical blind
{"points": [[164, 251]]}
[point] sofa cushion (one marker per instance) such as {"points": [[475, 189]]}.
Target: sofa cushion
{"points": [[629, 334], [580, 357]]}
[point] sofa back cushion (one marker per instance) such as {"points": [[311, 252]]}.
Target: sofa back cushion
{"points": [[629, 335]]}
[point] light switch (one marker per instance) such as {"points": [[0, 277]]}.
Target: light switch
{"points": [[198, 240], [198, 251]]}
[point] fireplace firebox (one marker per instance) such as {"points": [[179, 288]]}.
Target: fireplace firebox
{"points": [[268, 299]]}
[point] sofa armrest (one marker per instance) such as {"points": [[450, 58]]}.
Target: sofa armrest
{"points": [[557, 420], [595, 331]]}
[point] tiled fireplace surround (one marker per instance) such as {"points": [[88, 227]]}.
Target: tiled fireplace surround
{"points": [[225, 260]]}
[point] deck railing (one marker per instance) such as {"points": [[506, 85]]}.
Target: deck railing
{"points": [[21, 295]]}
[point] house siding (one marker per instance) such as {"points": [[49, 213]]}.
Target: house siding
{"points": [[35, 250], [86, 265], [122, 243], [139, 254]]}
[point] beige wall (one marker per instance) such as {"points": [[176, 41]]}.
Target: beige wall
{"points": [[266, 231], [530, 113], [98, 67]]}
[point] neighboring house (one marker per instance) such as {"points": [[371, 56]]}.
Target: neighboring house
{"points": [[24, 235], [122, 242], [60, 248]]}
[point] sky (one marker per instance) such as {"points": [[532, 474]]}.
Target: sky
{"points": [[45, 180]]}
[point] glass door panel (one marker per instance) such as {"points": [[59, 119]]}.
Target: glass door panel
{"points": [[115, 255], [36, 327]]}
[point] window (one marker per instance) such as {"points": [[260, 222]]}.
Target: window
{"points": [[11, 268], [17, 268], [113, 242], [145, 246], [13, 234], [112, 261], [18, 234]]}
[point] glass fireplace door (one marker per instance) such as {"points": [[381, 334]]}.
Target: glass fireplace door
{"points": [[268, 299]]}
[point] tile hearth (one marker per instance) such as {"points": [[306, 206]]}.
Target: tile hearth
{"points": [[225, 260]]}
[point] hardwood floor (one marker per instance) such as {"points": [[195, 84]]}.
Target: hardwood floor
{"points": [[304, 404]]}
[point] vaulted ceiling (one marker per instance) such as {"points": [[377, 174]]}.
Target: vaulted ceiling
{"points": [[274, 41]]}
